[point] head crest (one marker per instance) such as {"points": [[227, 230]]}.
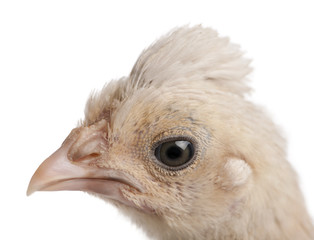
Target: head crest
{"points": [[185, 54], [192, 53]]}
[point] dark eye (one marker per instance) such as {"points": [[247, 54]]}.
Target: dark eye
{"points": [[175, 153]]}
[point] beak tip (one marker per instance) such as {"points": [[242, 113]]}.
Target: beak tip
{"points": [[29, 191], [32, 187]]}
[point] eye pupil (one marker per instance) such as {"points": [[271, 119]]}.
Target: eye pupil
{"points": [[175, 153]]}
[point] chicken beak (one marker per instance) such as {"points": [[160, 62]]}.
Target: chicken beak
{"points": [[71, 168], [57, 172]]}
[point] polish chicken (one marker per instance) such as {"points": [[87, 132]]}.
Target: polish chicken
{"points": [[178, 148]]}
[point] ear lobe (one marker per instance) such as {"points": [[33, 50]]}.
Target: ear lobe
{"points": [[234, 173]]}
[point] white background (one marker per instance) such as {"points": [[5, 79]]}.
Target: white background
{"points": [[53, 53]]}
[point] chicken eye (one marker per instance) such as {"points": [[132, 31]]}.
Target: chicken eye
{"points": [[174, 153]]}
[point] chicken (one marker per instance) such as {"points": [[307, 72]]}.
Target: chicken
{"points": [[178, 148]]}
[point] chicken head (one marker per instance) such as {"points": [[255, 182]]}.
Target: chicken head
{"points": [[178, 148]]}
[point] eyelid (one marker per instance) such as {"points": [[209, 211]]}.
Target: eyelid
{"points": [[162, 139]]}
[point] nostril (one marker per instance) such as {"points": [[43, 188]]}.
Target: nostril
{"points": [[93, 155], [86, 158], [87, 145], [85, 151]]}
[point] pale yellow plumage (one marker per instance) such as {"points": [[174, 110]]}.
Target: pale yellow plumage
{"points": [[189, 86]]}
